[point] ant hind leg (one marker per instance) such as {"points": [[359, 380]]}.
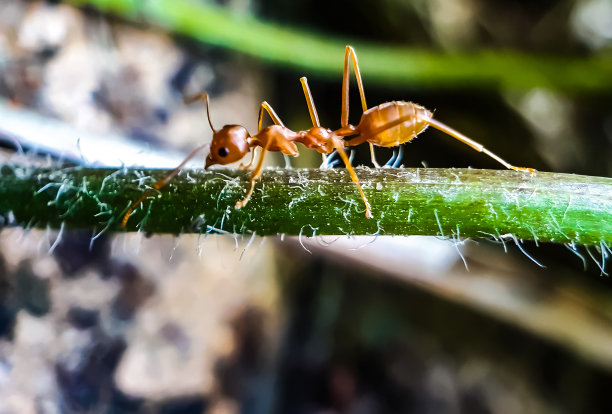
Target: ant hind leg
{"points": [[340, 148], [475, 145], [350, 55], [373, 156]]}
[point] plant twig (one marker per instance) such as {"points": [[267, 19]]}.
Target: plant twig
{"points": [[446, 202], [322, 54]]}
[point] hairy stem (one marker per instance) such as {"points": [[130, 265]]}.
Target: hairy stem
{"points": [[384, 64], [446, 202]]}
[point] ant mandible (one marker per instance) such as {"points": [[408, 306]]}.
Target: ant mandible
{"points": [[387, 125]]}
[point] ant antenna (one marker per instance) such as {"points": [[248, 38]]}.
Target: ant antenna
{"points": [[203, 96]]}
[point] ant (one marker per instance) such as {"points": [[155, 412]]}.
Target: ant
{"points": [[387, 125]]}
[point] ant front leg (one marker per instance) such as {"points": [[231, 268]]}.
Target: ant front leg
{"points": [[159, 184], [254, 176], [247, 166], [265, 107], [349, 54]]}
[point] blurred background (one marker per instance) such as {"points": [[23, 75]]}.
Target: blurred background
{"points": [[225, 324]]}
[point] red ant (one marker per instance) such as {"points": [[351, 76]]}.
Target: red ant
{"points": [[387, 125]]}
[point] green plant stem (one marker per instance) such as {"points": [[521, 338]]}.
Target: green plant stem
{"points": [[322, 54], [446, 202]]}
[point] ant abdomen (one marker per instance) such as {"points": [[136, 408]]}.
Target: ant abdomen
{"points": [[393, 123]]}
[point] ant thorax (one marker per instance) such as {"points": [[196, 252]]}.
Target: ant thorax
{"points": [[276, 138]]}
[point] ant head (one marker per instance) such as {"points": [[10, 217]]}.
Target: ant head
{"points": [[229, 144]]}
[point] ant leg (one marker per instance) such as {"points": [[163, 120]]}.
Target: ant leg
{"points": [[391, 162], [310, 102], [355, 141], [265, 106], [247, 166], [373, 156], [400, 155], [475, 145], [312, 110], [349, 52], [340, 148], [160, 184], [254, 176]]}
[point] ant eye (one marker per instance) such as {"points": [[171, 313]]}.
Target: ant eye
{"points": [[223, 152]]}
